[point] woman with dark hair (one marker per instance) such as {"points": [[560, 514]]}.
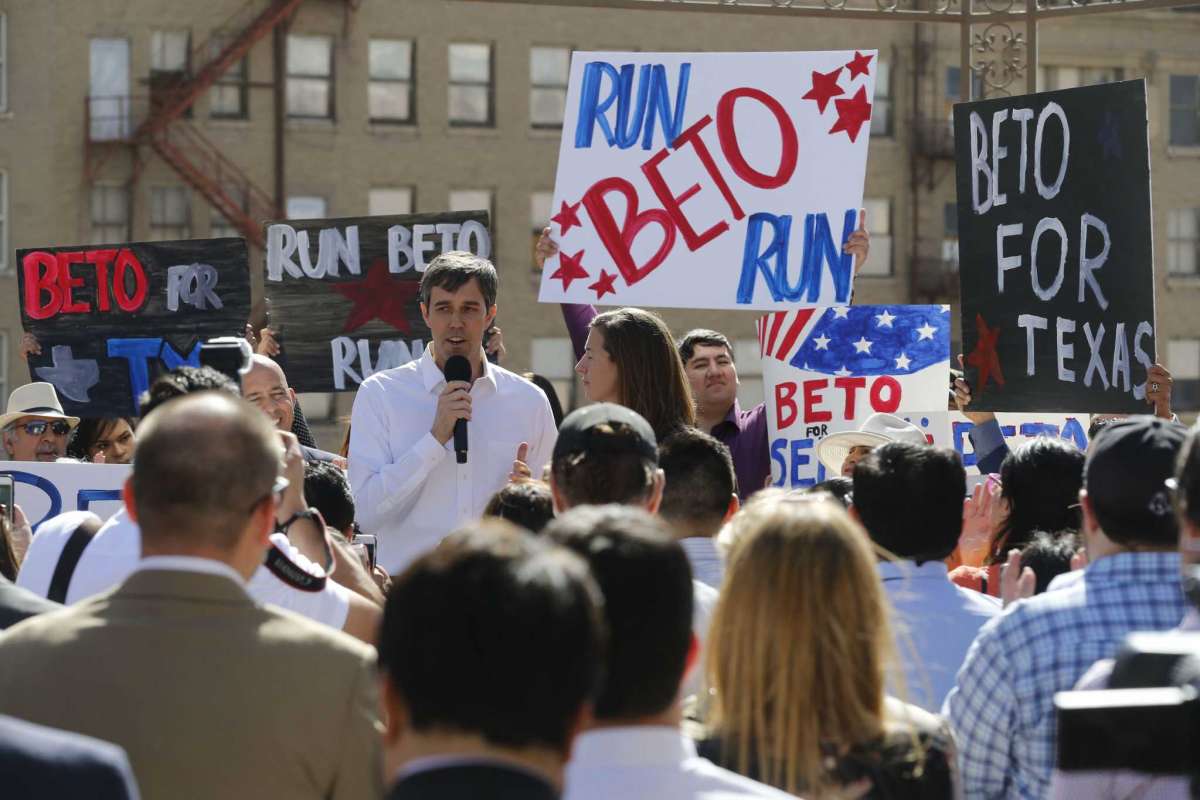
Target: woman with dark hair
{"points": [[1039, 491], [630, 358], [104, 441]]}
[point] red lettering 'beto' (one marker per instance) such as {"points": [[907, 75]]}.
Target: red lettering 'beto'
{"points": [[785, 404], [50, 282], [727, 135], [892, 386], [812, 398]]}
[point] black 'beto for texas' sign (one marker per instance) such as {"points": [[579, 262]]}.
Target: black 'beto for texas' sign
{"points": [[109, 318], [344, 292], [1055, 251]]}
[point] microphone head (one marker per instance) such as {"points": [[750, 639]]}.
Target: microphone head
{"points": [[457, 368]]}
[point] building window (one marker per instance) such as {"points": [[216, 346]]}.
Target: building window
{"points": [[881, 109], [540, 204], [470, 89], [310, 77], [1185, 110], [1183, 241], [170, 213], [548, 71], [110, 214], [3, 62], [389, 90], [1051, 78], [220, 226], [950, 234], [749, 367], [4, 265], [381, 202], [471, 200], [1183, 359], [306, 207], [879, 223], [3, 363], [228, 97], [170, 62], [554, 360]]}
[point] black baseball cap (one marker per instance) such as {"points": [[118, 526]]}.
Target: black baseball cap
{"points": [[580, 432], [1125, 474]]}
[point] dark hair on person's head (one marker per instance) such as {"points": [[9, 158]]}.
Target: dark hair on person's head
{"points": [[1049, 555], [456, 268], [647, 585], [497, 633], [839, 488], [204, 463], [91, 430], [327, 490], [909, 497], [699, 478], [1187, 479], [551, 393], [185, 380], [1040, 479], [528, 504], [702, 336], [601, 476], [650, 376]]}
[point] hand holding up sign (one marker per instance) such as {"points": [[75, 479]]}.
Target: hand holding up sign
{"points": [[545, 248], [859, 242], [1158, 391], [520, 470]]}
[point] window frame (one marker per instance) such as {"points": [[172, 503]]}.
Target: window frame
{"points": [[410, 82], [5, 266], [240, 82], [95, 224], [1173, 241], [889, 99], [330, 79], [877, 234], [186, 225], [3, 62], [490, 85], [1172, 108], [535, 86], [412, 199], [324, 205]]}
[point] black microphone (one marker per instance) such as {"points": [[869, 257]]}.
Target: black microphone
{"points": [[458, 368]]}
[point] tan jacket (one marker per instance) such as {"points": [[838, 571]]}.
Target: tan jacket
{"points": [[211, 695]]}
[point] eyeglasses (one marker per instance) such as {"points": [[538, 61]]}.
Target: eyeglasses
{"points": [[278, 488], [39, 427]]}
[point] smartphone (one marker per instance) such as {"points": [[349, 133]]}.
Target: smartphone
{"points": [[6, 496], [227, 354], [368, 544]]}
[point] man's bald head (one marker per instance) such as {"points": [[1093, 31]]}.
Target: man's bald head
{"points": [[203, 464], [265, 385]]}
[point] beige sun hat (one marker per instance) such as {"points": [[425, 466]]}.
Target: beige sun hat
{"points": [[877, 430], [35, 400]]}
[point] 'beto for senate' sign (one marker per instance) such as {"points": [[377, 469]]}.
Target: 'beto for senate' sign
{"points": [[1055, 253]]}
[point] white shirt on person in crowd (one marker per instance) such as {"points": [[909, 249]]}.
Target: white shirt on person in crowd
{"points": [[116, 551], [409, 490], [707, 564], [935, 622], [650, 762], [704, 602]]}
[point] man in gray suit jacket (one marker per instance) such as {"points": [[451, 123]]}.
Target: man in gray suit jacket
{"points": [[210, 694], [36, 761]]}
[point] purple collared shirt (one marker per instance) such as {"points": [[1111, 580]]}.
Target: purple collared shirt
{"points": [[743, 432]]}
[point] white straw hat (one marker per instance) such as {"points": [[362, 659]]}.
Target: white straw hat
{"points": [[877, 430], [35, 400]]}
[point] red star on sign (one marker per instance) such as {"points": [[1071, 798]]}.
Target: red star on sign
{"points": [[569, 269], [984, 357], [567, 218], [379, 296], [858, 65], [604, 285], [852, 114], [824, 86]]}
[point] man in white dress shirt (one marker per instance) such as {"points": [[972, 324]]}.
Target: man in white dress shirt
{"points": [[409, 489], [909, 497], [635, 747]]}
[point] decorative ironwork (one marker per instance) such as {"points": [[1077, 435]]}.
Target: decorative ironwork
{"points": [[999, 56]]}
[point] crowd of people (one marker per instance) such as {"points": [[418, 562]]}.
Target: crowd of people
{"points": [[482, 598]]}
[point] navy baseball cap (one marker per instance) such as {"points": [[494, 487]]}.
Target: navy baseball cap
{"points": [[608, 428]]}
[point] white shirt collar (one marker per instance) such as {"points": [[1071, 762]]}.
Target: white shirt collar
{"points": [[205, 566], [430, 763], [434, 379], [631, 745], [909, 570]]}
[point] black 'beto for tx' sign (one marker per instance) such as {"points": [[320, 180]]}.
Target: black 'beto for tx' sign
{"points": [[344, 292], [109, 318], [1055, 249]]}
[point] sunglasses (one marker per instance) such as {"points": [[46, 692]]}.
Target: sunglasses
{"points": [[38, 428], [277, 491]]}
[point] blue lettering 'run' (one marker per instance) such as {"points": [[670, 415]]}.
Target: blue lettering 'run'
{"points": [[138, 351], [819, 249], [635, 117]]}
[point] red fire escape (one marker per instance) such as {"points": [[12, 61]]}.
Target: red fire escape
{"points": [[163, 127]]}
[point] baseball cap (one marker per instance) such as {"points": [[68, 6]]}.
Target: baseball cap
{"points": [[1125, 474], [580, 432]]}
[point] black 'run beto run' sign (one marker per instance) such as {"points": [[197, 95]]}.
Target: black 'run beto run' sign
{"points": [[1055, 249], [345, 292], [111, 317]]}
